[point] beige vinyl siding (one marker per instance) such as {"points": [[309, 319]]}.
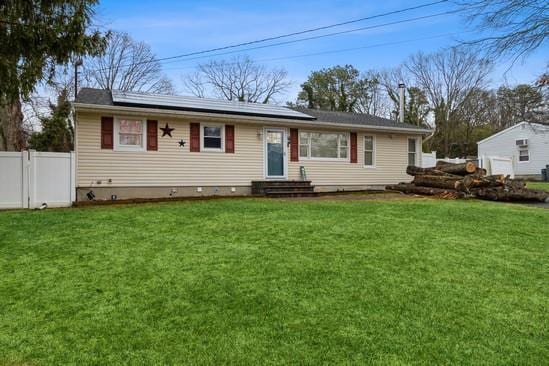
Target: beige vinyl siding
{"points": [[172, 165], [391, 159]]}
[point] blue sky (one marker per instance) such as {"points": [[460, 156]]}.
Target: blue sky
{"points": [[176, 27]]}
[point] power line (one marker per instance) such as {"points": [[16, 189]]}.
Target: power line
{"points": [[287, 35], [306, 31], [341, 49], [321, 36]]}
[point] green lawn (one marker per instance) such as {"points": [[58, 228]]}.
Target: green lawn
{"points": [[258, 282], [538, 185]]}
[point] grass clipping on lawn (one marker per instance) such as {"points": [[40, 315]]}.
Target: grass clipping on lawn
{"points": [[250, 281]]}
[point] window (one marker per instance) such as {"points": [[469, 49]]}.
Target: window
{"points": [[412, 153], [304, 143], [212, 137], [323, 145], [129, 134], [524, 155], [369, 155]]}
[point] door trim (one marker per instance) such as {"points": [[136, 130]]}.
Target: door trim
{"points": [[284, 149]]}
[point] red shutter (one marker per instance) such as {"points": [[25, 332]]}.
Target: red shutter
{"points": [[195, 137], [353, 147], [229, 139], [294, 144], [152, 135], [107, 134]]}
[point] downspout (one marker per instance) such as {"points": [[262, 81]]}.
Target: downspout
{"points": [[401, 87]]}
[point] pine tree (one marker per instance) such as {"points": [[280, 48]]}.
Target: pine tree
{"points": [[57, 130]]}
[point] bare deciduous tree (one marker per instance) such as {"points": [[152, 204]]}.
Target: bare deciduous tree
{"points": [[127, 65], [517, 27], [372, 100], [239, 79], [448, 78]]}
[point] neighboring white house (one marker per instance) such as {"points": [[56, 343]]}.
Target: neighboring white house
{"points": [[526, 144]]}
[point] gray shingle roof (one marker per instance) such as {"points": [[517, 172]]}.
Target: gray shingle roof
{"points": [[94, 96], [354, 119], [105, 97]]}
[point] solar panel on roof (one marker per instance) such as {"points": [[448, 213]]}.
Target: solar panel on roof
{"points": [[205, 104]]}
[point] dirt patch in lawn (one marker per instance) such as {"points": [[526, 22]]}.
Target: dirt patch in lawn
{"points": [[357, 196]]}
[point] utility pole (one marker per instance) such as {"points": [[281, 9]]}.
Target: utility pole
{"points": [[401, 89], [77, 62]]}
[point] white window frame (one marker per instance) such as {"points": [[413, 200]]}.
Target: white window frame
{"points": [[284, 131], [518, 156], [309, 157], [409, 152], [374, 149], [212, 149], [116, 137]]}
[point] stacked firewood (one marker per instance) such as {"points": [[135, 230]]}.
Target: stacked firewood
{"points": [[451, 181]]}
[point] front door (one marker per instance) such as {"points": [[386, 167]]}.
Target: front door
{"points": [[275, 153]]}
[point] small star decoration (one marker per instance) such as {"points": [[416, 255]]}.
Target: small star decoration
{"points": [[182, 143], [167, 130]]}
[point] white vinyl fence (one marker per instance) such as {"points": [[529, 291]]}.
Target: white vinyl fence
{"points": [[429, 160], [496, 165], [29, 178]]}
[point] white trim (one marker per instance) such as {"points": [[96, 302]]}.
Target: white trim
{"points": [[284, 149], [374, 152], [501, 132], [518, 155], [116, 135], [309, 157], [212, 149], [416, 152], [96, 108]]}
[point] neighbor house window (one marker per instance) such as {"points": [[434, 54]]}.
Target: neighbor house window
{"points": [[369, 152], [412, 152], [129, 134], [524, 155], [323, 145], [212, 137]]}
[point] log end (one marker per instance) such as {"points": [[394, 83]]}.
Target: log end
{"points": [[470, 167]]}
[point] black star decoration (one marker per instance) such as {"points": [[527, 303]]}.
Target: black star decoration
{"points": [[181, 143], [167, 130]]}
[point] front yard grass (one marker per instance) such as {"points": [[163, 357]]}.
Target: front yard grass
{"points": [[538, 185], [249, 281]]}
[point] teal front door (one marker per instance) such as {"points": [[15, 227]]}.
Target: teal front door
{"points": [[275, 153]]}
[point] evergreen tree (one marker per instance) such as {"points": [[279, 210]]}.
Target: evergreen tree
{"points": [[57, 130], [35, 37]]}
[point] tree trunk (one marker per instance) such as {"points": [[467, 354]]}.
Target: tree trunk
{"points": [[12, 134], [480, 172], [503, 194], [459, 169], [473, 181], [427, 191], [414, 170], [438, 181]]}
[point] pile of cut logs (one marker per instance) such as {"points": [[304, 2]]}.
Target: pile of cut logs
{"points": [[451, 181]]}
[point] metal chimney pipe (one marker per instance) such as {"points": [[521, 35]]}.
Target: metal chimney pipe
{"points": [[401, 88]]}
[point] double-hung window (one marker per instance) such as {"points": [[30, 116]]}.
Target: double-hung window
{"points": [[369, 151], [412, 151], [524, 155], [323, 145], [212, 137], [129, 134]]}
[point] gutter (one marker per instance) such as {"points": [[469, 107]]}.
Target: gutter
{"points": [[84, 107]]}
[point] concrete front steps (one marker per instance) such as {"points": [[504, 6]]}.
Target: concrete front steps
{"points": [[283, 188]]}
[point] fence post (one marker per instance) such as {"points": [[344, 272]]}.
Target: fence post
{"points": [[24, 179], [73, 177], [32, 179]]}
